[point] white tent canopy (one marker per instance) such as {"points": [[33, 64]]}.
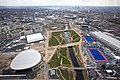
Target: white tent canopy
{"points": [[34, 37]]}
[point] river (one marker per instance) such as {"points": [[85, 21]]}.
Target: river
{"points": [[79, 75]]}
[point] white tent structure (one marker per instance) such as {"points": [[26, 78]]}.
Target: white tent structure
{"points": [[34, 37], [108, 40], [26, 59]]}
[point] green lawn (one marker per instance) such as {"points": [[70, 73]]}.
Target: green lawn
{"points": [[63, 51], [65, 74], [56, 39], [60, 37], [53, 41], [60, 58], [72, 32], [75, 37], [65, 61], [55, 61]]}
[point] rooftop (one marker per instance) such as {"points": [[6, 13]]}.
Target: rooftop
{"points": [[26, 59], [107, 38], [34, 37]]}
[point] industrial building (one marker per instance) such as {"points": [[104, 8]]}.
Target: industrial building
{"points": [[108, 40], [34, 37]]}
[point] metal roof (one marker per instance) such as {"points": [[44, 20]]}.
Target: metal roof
{"points": [[26, 59], [34, 37], [107, 38]]}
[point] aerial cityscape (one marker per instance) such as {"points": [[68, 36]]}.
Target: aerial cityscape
{"points": [[58, 41]]}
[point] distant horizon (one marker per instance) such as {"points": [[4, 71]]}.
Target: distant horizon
{"points": [[60, 3], [57, 6]]}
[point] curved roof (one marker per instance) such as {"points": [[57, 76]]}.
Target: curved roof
{"points": [[107, 38], [26, 59]]}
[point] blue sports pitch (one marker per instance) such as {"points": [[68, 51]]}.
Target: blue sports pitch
{"points": [[88, 39], [97, 55]]}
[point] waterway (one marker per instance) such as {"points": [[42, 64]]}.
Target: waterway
{"points": [[79, 75]]}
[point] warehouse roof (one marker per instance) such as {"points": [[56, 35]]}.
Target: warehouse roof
{"points": [[34, 37], [107, 38]]}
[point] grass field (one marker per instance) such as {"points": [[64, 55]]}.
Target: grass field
{"points": [[53, 41], [60, 58], [57, 38], [64, 74], [74, 36]]}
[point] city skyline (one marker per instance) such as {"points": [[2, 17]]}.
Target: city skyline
{"points": [[60, 3]]}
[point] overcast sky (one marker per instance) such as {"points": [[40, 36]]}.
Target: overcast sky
{"points": [[60, 2]]}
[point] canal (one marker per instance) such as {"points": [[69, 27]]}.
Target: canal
{"points": [[79, 75]]}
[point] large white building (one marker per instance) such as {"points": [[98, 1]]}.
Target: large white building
{"points": [[108, 40], [26, 59], [34, 37]]}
